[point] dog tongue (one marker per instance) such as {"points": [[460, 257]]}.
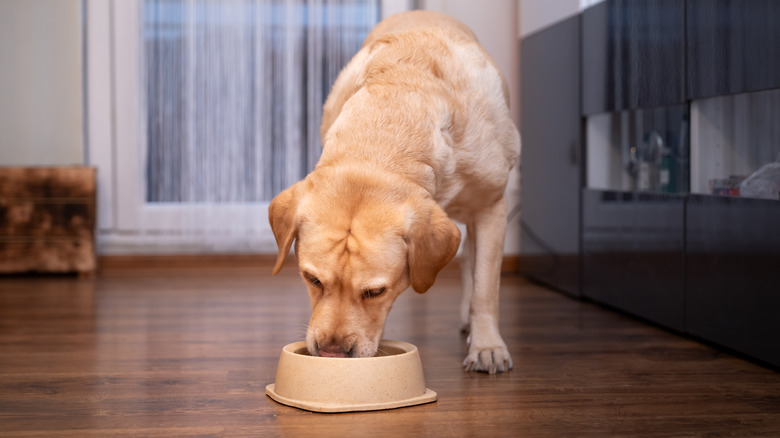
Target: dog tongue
{"points": [[325, 354], [332, 351]]}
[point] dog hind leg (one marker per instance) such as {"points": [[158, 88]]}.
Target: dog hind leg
{"points": [[467, 278]]}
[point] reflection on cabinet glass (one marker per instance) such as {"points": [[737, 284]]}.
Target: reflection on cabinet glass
{"points": [[735, 145], [639, 150]]}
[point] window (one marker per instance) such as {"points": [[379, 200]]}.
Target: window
{"points": [[234, 91], [200, 111]]}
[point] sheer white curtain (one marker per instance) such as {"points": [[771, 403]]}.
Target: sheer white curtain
{"points": [[234, 91], [200, 111]]}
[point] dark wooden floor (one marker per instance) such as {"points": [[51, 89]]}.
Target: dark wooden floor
{"points": [[186, 352]]}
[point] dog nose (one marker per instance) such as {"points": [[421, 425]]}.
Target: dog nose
{"points": [[332, 350]]}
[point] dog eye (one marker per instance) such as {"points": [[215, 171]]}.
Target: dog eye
{"points": [[313, 280], [373, 293]]}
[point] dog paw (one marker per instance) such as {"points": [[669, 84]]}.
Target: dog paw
{"points": [[488, 360]]}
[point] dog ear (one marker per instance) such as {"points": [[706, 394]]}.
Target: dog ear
{"points": [[282, 216], [432, 240]]}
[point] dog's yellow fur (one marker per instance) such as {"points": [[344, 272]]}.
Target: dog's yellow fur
{"points": [[415, 131]]}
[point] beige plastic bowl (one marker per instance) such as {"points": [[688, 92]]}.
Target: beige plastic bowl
{"points": [[326, 384]]}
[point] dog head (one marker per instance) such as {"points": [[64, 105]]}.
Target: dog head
{"points": [[359, 243]]}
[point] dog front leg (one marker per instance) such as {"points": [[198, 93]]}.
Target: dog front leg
{"points": [[487, 350]]}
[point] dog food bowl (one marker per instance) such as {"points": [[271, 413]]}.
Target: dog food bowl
{"points": [[393, 379]]}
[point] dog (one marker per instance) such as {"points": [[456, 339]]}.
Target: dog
{"points": [[416, 133]]}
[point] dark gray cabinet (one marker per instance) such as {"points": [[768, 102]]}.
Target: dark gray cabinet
{"points": [[633, 254], [551, 168], [733, 46], [633, 55], [703, 265], [732, 293]]}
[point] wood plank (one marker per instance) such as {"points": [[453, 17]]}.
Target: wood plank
{"points": [[510, 264], [116, 262], [188, 352]]}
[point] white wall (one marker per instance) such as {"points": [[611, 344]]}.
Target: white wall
{"points": [[40, 82], [535, 15], [496, 25], [499, 25]]}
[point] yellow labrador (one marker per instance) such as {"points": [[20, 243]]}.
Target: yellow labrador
{"points": [[415, 132]]}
